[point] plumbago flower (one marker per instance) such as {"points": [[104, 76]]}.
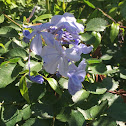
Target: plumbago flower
{"points": [[58, 34], [38, 33], [37, 79], [67, 21], [76, 76], [57, 57]]}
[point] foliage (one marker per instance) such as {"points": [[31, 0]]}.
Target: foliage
{"points": [[101, 101]]}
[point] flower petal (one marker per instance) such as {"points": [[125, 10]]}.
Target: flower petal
{"points": [[37, 79], [72, 54], [63, 66], [48, 37], [51, 59], [36, 45], [74, 84]]}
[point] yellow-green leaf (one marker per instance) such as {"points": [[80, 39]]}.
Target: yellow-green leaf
{"points": [[24, 89], [54, 85], [114, 31]]}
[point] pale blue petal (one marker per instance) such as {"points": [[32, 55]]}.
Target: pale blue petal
{"points": [[72, 68], [74, 84], [72, 54], [51, 67], [39, 27], [36, 45], [81, 75], [51, 59], [85, 49], [31, 35], [57, 19], [63, 66], [79, 27], [48, 37], [82, 65], [69, 17]]}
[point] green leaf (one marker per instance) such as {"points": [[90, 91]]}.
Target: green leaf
{"points": [[123, 9], [93, 60], [26, 112], [114, 31], [117, 110], [22, 2], [45, 16], [110, 84], [76, 119], [10, 94], [63, 83], [8, 74], [6, 31], [34, 66], [2, 46], [10, 115], [89, 4], [37, 122], [106, 57], [123, 73], [24, 89], [18, 52], [97, 110], [98, 68], [104, 121], [54, 85], [88, 38], [97, 41], [64, 114], [2, 18], [96, 24], [14, 60], [80, 96], [42, 110], [96, 88]]}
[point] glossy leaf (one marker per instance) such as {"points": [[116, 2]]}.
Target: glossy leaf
{"points": [[1, 18], [114, 31], [8, 73], [96, 24], [76, 119], [45, 16], [89, 4], [24, 89], [54, 85]]}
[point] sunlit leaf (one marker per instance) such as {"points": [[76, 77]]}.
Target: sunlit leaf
{"points": [[45, 16], [96, 24], [1, 18], [89, 4], [8, 73], [54, 85], [76, 119], [24, 89], [114, 31]]}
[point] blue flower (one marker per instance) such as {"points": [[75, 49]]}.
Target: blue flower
{"points": [[37, 79], [82, 48], [76, 77], [67, 21], [38, 33], [25, 34], [57, 57]]}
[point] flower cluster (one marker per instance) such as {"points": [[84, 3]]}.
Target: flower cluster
{"points": [[58, 43]]}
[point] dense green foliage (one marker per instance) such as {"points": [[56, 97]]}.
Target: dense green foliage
{"points": [[101, 102]]}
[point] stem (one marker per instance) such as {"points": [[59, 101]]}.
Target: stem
{"points": [[106, 15], [13, 21], [53, 121], [47, 8]]}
